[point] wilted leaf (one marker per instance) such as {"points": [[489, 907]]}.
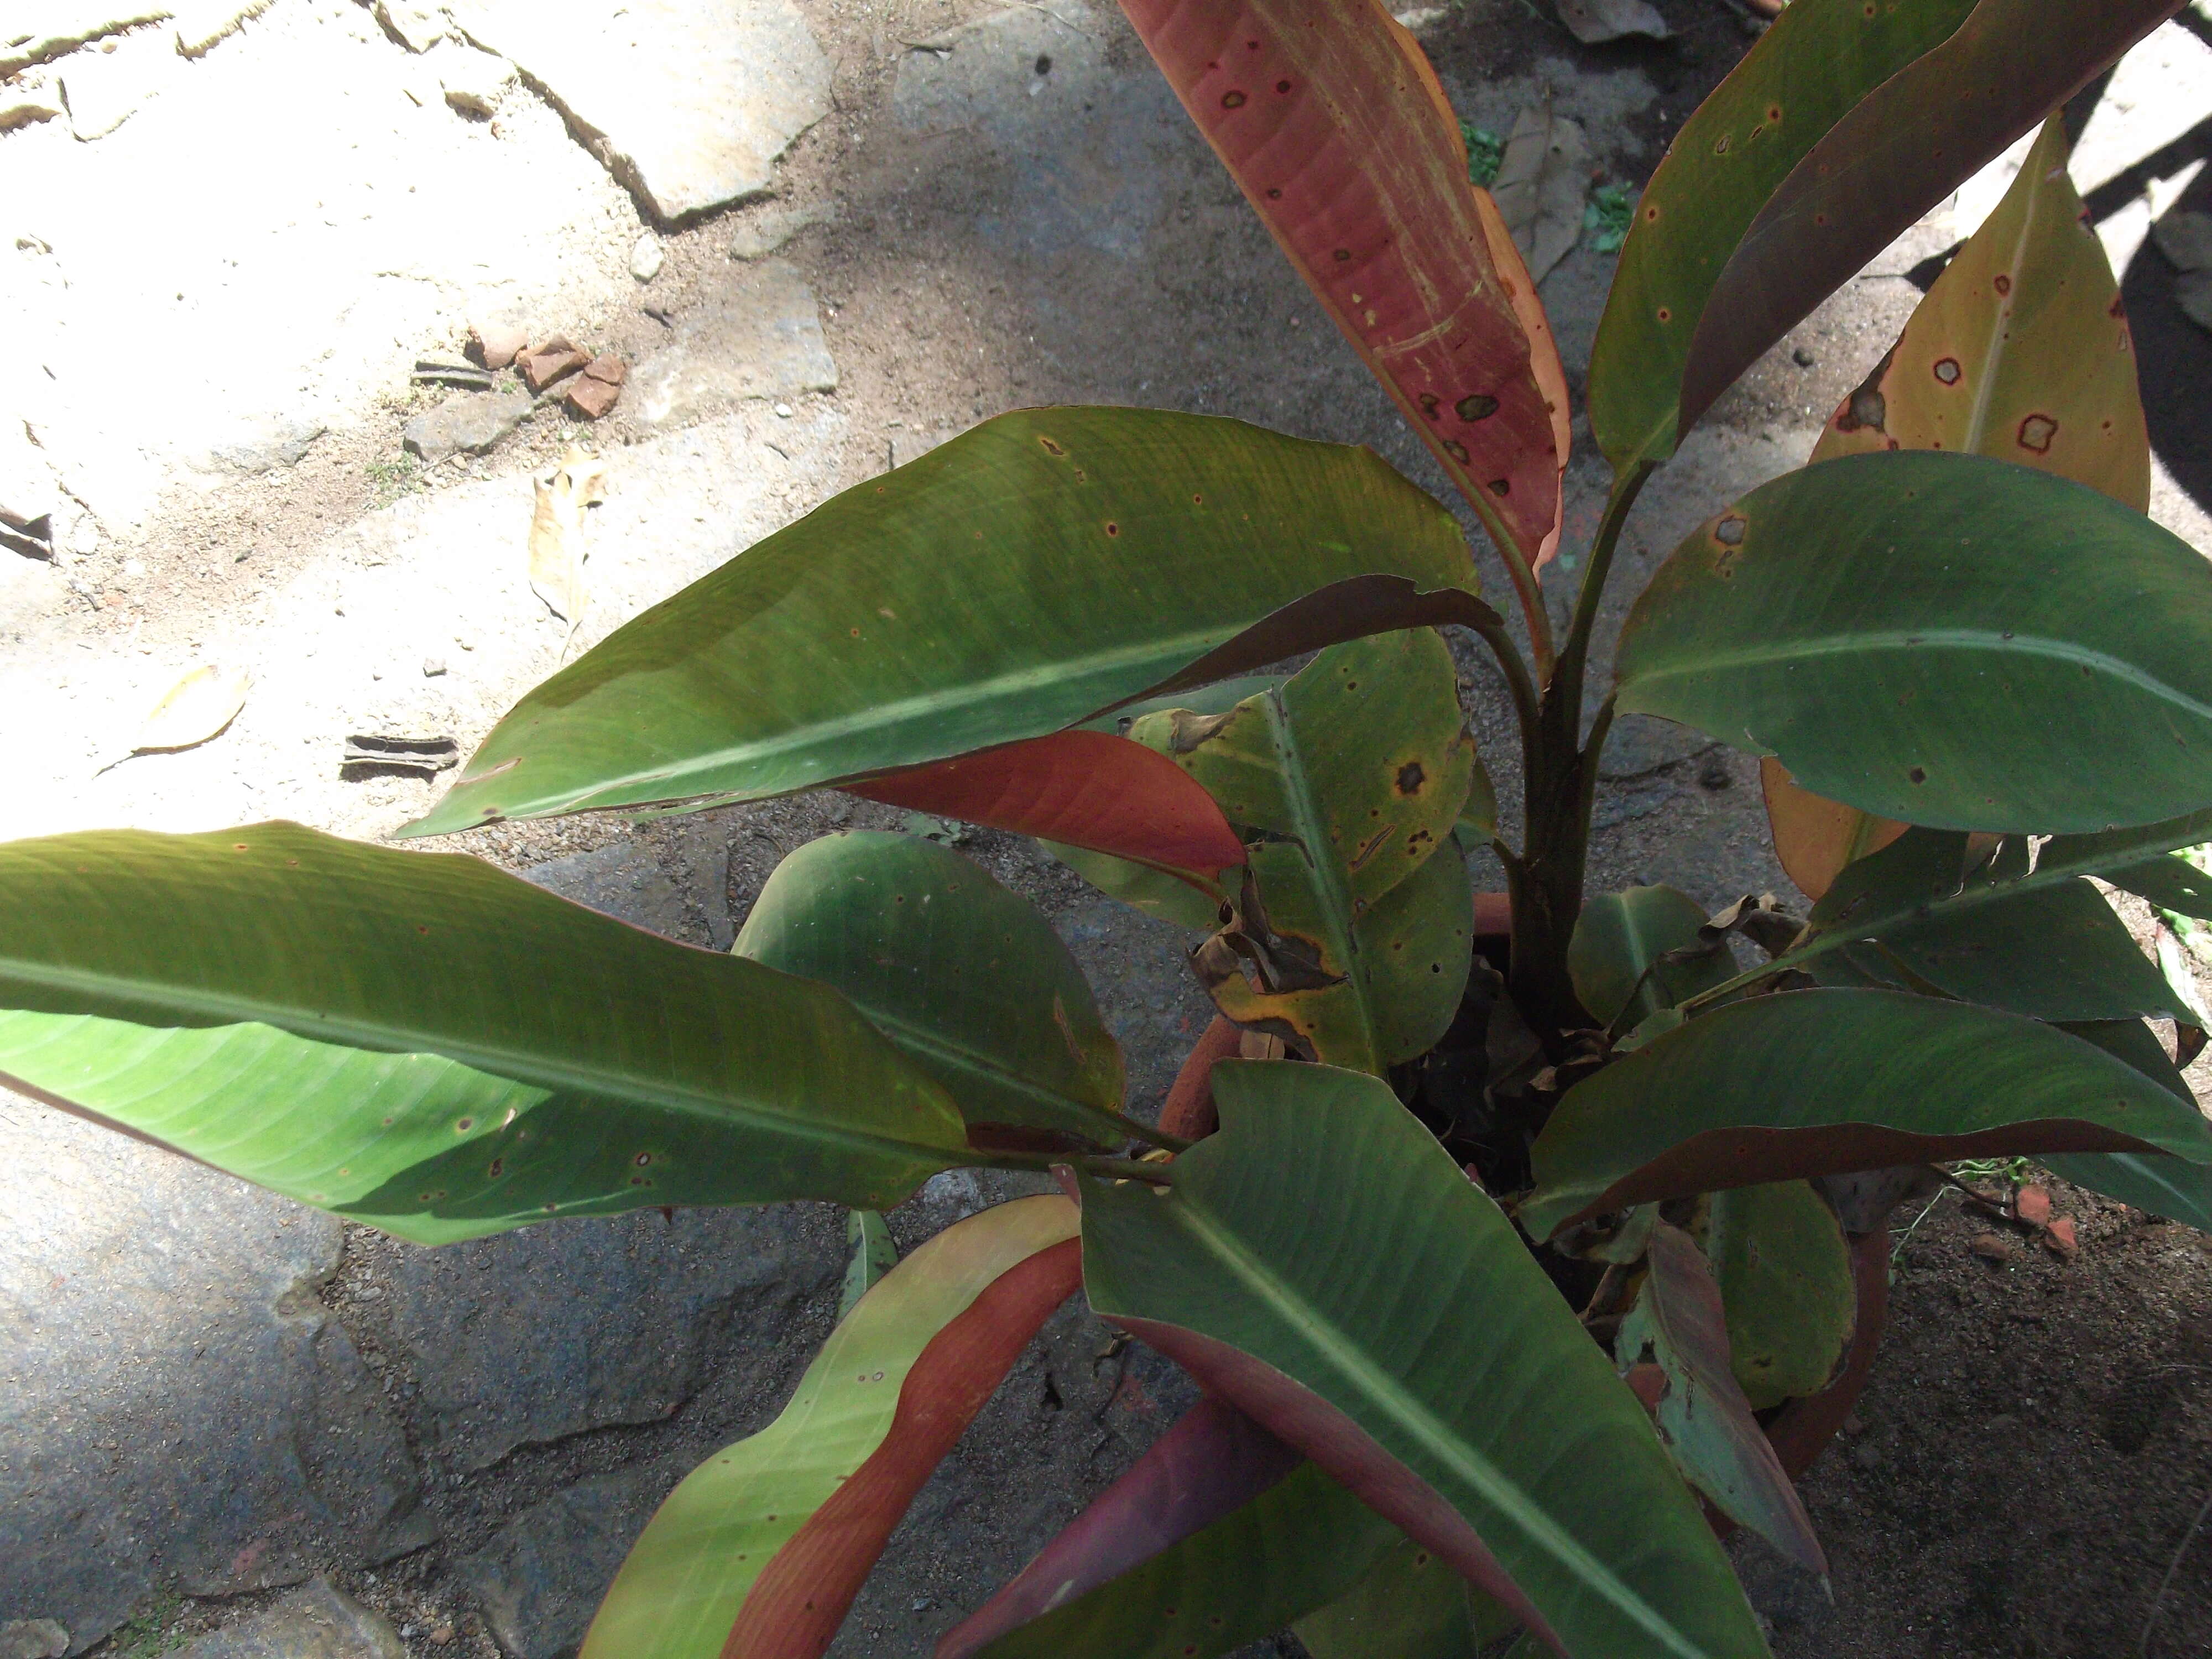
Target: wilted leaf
{"points": [[1540, 186], [197, 708], [1617, 957], [1815, 837], [1703, 1418], [557, 529]]}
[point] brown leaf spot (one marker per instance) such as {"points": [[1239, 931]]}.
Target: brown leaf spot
{"points": [[1476, 406], [1232, 100], [1341, 255], [1429, 404], [1948, 370], [2036, 432], [1774, 112], [1273, 194], [643, 1159], [1665, 315], [2003, 283], [1918, 775], [1721, 145], [1282, 86], [1411, 778], [1112, 529], [1499, 487], [1728, 532], [1457, 450], [1650, 212], [1050, 448]]}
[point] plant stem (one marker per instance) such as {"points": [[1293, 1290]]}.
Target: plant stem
{"points": [[1109, 1168], [1517, 682], [1574, 655]]}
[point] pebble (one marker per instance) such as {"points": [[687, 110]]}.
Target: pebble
{"points": [[432, 667], [783, 411], [644, 258]]}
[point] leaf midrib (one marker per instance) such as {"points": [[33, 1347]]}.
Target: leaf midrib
{"points": [[1335, 894], [1882, 642], [1414, 1416], [905, 1034], [531, 1068]]}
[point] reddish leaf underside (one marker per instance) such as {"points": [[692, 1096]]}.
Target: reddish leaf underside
{"points": [[1334, 125], [1214, 1461], [1903, 149], [802, 1596], [1086, 788], [1190, 1111], [1325, 1434], [1805, 1427]]}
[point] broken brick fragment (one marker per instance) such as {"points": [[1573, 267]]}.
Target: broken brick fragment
{"points": [[544, 364], [496, 347], [591, 397]]}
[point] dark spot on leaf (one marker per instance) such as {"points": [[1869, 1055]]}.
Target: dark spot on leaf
{"points": [[1665, 315], [1044, 62], [1476, 406], [1429, 404], [1721, 145], [1198, 501], [1499, 487], [498, 1165], [464, 1125], [1232, 100], [1282, 86], [1411, 778], [643, 1159], [1918, 775], [1650, 213], [1273, 194], [2036, 433], [1457, 450], [240, 847], [2003, 283], [1728, 532], [1050, 448], [1341, 255], [1112, 529], [1948, 370]]}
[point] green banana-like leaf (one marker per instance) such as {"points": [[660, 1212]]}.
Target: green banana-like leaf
{"points": [[1411, 1606], [1786, 1276], [1615, 956], [2172, 883], [965, 975], [1297, 1546], [2055, 952], [1323, 1262], [2163, 1186], [427, 1044], [1941, 639], [1046, 566], [871, 1252], [1807, 71], [1810, 1082], [1347, 779], [686, 1579]]}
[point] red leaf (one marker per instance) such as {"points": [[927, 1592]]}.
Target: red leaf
{"points": [[1086, 788], [1334, 125], [802, 1596], [1348, 1452], [1214, 1460], [1189, 1111]]}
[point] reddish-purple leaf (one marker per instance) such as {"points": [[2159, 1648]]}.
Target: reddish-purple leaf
{"points": [[1086, 788], [1214, 1461], [1334, 125], [802, 1596]]}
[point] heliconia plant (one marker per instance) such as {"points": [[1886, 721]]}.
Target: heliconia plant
{"points": [[1520, 1247]]}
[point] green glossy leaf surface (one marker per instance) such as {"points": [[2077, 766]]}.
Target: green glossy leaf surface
{"points": [[965, 975], [871, 1252], [2172, 883], [1785, 1278], [1820, 58], [2170, 1187], [686, 1578], [1942, 639], [1803, 1083], [429, 1045], [1411, 1606], [1613, 958], [1322, 1261], [1042, 568]]}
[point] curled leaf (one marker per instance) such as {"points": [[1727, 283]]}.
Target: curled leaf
{"points": [[557, 531], [197, 708]]}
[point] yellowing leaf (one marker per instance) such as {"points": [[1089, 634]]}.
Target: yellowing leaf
{"points": [[197, 708], [557, 531], [2020, 351]]}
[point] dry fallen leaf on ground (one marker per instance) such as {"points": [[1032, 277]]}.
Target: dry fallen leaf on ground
{"points": [[557, 531], [197, 708], [1593, 22], [1540, 187]]}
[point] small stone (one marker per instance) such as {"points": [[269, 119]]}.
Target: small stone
{"points": [[1992, 1247], [442, 1636], [468, 421], [416, 27], [466, 641], [783, 411], [768, 230], [591, 397], [315, 1622], [495, 346], [473, 81], [432, 667], [544, 364], [646, 257], [1866, 1454], [33, 1638]]}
